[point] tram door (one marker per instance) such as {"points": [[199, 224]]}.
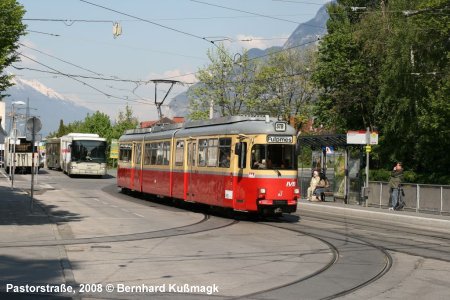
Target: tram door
{"points": [[190, 194], [136, 168]]}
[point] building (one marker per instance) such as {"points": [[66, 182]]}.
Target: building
{"points": [[165, 120]]}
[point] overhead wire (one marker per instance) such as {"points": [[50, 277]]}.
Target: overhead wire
{"points": [[62, 60], [74, 77], [252, 13], [81, 81], [147, 21]]}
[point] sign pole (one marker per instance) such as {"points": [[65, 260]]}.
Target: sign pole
{"points": [[367, 165], [32, 163], [34, 125]]}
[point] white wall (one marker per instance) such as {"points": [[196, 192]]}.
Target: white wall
{"points": [[3, 114]]}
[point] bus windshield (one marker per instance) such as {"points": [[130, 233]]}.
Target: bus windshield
{"points": [[276, 157], [89, 151]]}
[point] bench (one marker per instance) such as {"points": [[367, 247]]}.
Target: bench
{"points": [[330, 194]]}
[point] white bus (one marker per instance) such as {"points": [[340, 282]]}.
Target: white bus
{"points": [[83, 154], [21, 152], [53, 153]]}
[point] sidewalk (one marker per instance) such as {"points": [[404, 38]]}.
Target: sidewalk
{"points": [[402, 218]]}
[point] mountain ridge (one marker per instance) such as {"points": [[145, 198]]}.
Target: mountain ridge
{"points": [[47, 104]]}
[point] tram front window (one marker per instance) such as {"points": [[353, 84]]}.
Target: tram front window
{"points": [[89, 151], [276, 157]]}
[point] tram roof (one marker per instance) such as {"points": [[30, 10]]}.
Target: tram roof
{"points": [[219, 126]]}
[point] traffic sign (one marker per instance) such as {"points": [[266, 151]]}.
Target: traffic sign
{"points": [[368, 149], [35, 124]]}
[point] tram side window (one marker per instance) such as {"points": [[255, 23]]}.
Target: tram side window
{"points": [[147, 154], [191, 153], [224, 152], [160, 153], [153, 153], [137, 158], [124, 152], [166, 153], [202, 150], [179, 153], [212, 152]]}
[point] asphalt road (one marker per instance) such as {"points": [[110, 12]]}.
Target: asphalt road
{"points": [[84, 233]]}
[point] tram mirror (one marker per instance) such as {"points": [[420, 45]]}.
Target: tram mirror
{"points": [[241, 149], [237, 148]]}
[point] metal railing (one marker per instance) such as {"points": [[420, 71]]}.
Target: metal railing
{"points": [[418, 197]]}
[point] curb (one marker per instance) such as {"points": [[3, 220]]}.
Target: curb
{"points": [[431, 222]]}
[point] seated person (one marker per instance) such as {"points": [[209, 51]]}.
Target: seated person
{"points": [[321, 187], [312, 185], [225, 161], [260, 165]]}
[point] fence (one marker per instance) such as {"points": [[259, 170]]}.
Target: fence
{"points": [[418, 197]]}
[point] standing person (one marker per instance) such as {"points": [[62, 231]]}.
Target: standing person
{"points": [[312, 185], [394, 184]]}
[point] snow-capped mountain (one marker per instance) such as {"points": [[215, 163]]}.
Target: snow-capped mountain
{"points": [[47, 104]]}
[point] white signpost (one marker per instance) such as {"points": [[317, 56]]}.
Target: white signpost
{"points": [[359, 137]]}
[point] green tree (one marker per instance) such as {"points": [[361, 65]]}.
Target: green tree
{"points": [[224, 84], [125, 121], [389, 67], [283, 85], [414, 101], [11, 28], [98, 123], [346, 70]]}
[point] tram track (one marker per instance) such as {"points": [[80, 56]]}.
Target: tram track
{"points": [[312, 286], [417, 242], [206, 224]]}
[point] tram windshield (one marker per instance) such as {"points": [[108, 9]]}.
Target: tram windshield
{"points": [[89, 151], [275, 157]]}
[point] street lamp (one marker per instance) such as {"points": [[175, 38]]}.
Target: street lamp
{"points": [[14, 134]]}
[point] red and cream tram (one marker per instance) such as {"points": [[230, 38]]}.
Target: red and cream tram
{"points": [[243, 163]]}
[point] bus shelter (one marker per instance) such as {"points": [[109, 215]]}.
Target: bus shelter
{"points": [[332, 156]]}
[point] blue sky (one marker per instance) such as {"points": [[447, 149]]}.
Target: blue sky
{"points": [[144, 50]]}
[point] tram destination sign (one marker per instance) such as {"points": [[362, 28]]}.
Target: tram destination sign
{"points": [[279, 139]]}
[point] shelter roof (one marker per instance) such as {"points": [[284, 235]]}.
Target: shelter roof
{"points": [[318, 141]]}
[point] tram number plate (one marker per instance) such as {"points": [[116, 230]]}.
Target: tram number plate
{"points": [[279, 138], [279, 202]]}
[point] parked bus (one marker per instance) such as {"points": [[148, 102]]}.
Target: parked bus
{"points": [[21, 151], [53, 153], [83, 154]]}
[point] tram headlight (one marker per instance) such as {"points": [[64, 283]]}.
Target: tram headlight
{"points": [[297, 191], [261, 193]]}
